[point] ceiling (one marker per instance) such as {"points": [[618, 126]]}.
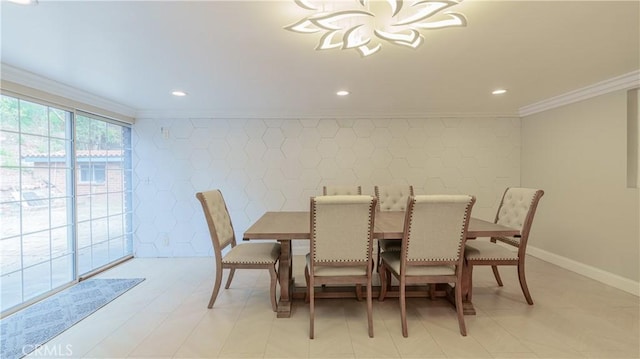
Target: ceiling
{"points": [[234, 58]]}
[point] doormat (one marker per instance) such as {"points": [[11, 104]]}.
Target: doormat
{"points": [[29, 328]]}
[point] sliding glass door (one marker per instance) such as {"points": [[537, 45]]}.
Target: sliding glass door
{"points": [[36, 225], [65, 205], [103, 159]]}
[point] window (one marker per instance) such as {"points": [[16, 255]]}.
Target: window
{"points": [[92, 173]]}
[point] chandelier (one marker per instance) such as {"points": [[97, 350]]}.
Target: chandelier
{"points": [[365, 25]]}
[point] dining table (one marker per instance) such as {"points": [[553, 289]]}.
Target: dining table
{"points": [[287, 226]]}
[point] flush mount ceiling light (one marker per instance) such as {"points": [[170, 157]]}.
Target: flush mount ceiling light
{"points": [[499, 91], [365, 25], [342, 93], [179, 93]]}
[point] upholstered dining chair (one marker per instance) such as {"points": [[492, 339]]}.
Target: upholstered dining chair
{"points": [[517, 209], [262, 255], [341, 246], [341, 190], [346, 191], [391, 198], [435, 231]]}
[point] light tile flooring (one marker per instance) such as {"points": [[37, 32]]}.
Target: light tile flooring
{"points": [[166, 317]]}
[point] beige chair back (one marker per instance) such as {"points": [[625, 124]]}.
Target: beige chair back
{"points": [[341, 229], [392, 198], [435, 228], [517, 209], [341, 190], [218, 219]]}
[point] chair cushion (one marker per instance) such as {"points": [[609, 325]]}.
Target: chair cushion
{"points": [[390, 245], [483, 250], [393, 261], [253, 253], [335, 271]]}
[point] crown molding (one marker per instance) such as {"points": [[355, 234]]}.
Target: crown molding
{"points": [[623, 82], [180, 114], [29, 79]]}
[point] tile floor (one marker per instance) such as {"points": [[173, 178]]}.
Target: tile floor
{"points": [[166, 317]]}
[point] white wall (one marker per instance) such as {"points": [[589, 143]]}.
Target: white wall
{"points": [[588, 219], [263, 165]]}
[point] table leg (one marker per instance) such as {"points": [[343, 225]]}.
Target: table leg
{"points": [[467, 305], [285, 274]]}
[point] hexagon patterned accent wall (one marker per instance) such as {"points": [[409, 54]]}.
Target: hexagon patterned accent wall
{"points": [[270, 165]]}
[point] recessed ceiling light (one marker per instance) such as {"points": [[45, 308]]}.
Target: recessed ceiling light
{"points": [[179, 93], [499, 91], [342, 93]]}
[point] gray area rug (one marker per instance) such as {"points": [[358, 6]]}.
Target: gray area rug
{"points": [[27, 329]]}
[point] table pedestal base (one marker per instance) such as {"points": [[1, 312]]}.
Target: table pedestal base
{"points": [[332, 292], [285, 268]]}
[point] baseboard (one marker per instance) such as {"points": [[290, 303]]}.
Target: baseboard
{"points": [[588, 271]]}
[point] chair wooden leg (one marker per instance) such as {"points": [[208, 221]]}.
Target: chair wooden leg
{"points": [[523, 282], [359, 292], [306, 279], [497, 275], [383, 284], [272, 294], [378, 259], [311, 311], [469, 283], [216, 287], [232, 271], [370, 308], [403, 308], [459, 309]]}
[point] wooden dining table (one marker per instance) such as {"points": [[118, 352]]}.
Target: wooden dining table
{"points": [[288, 226]]}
